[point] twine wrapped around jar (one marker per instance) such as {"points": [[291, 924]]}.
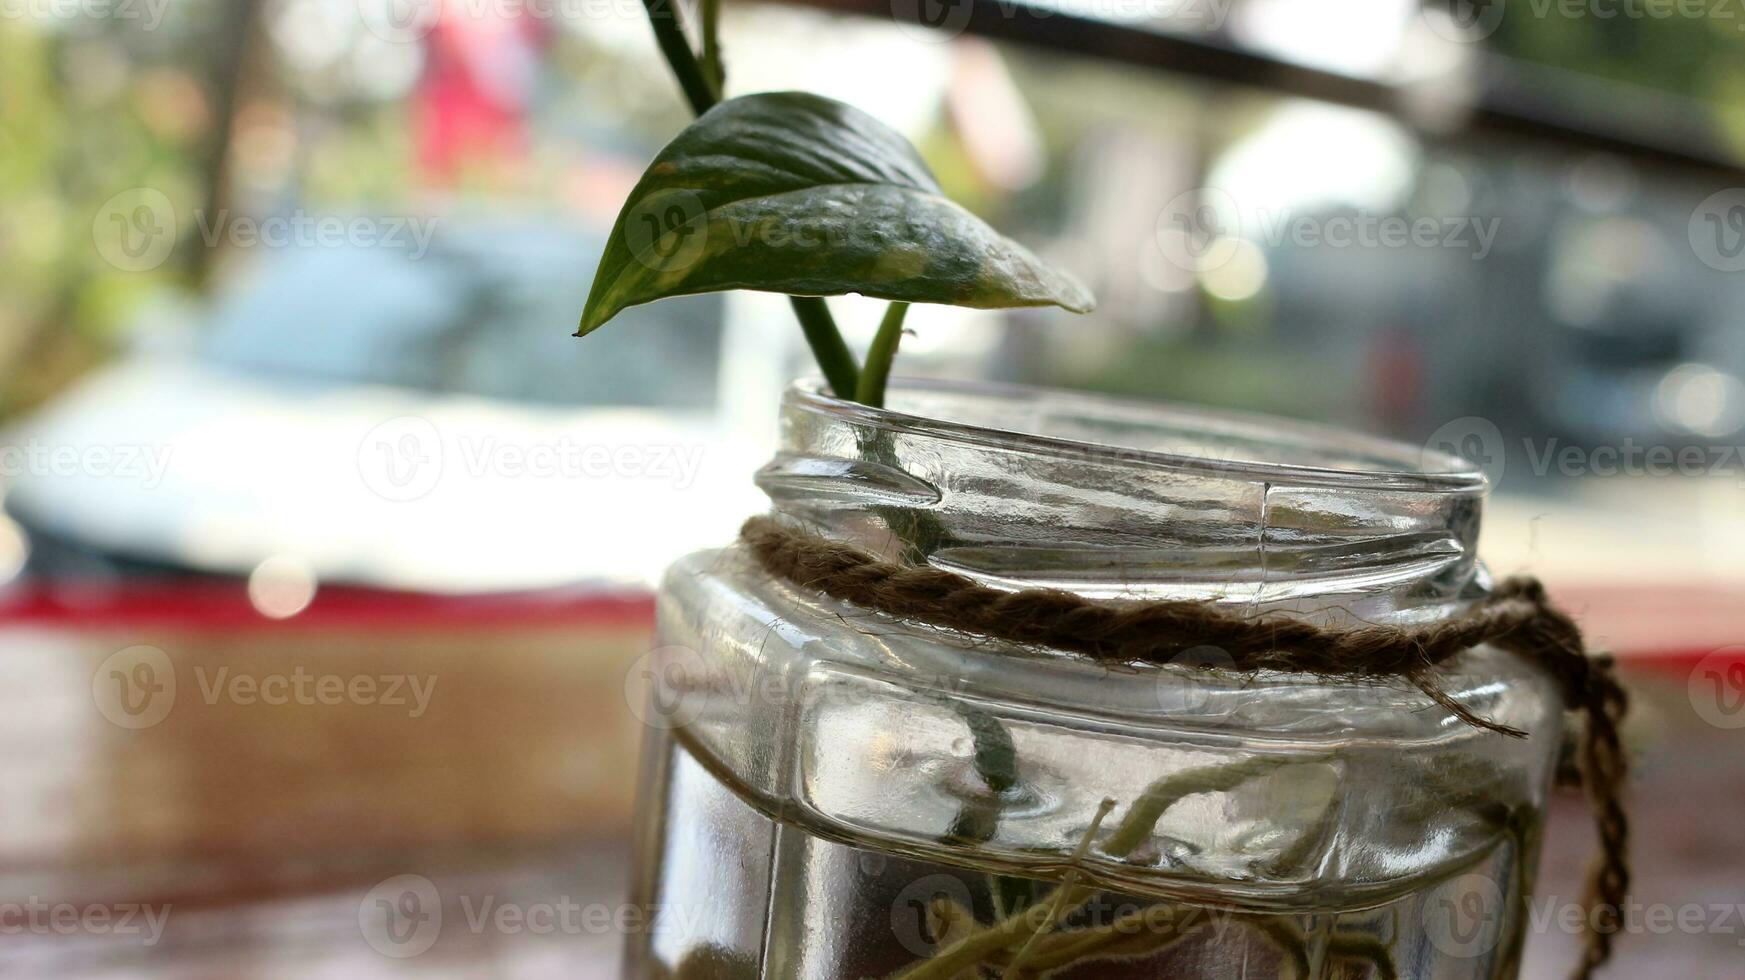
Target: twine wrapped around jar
{"points": [[1516, 617]]}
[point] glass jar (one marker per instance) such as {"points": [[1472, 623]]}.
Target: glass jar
{"points": [[834, 793]]}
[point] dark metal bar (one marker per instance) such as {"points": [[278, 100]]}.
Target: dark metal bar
{"points": [[1513, 100]]}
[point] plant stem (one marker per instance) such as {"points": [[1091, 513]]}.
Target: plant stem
{"points": [[669, 33], [1057, 907], [714, 68], [880, 355], [828, 348]]}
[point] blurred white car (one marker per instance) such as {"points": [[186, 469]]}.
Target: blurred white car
{"points": [[363, 416]]}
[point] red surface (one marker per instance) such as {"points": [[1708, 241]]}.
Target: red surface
{"points": [[1652, 628], [224, 605], [1670, 627]]}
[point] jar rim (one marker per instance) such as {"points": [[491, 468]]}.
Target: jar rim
{"points": [[1397, 465]]}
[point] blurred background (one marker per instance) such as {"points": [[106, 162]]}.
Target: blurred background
{"points": [[326, 553]]}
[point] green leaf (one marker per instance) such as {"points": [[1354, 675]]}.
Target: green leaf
{"points": [[794, 193]]}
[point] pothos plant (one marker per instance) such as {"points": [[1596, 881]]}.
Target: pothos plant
{"points": [[789, 192], [794, 193], [798, 194]]}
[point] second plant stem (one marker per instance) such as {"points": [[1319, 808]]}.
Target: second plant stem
{"points": [[879, 356]]}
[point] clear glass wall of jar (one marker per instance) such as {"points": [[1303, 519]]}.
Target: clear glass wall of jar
{"points": [[814, 805]]}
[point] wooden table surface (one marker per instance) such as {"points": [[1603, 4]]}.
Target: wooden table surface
{"points": [[268, 830]]}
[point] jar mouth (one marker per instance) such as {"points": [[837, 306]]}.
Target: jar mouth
{"points": [[1037, 488], [1150, 435]]}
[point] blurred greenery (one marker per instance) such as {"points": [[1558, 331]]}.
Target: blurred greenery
{"points": [[1699, 57], [92, 107], [86, 112]]}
